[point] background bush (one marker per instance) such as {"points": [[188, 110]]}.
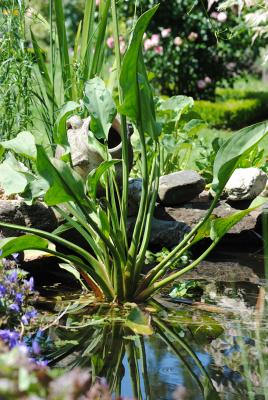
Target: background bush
{"points": [[200, 50], [234, 108]]}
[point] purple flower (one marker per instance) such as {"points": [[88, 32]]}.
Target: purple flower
{"points": [[36, 347], [9, 337], [12, 277], [29, 285], [19, 298], [14, 307], [25, 319], [3, 290]]}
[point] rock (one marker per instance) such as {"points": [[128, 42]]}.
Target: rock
{"points": [[179, 187], [17, 212], [245, 231], [245, 184], [226, 271], [163, 233], [134, 196]]}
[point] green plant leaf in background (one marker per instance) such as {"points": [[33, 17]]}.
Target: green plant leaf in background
{"points": [[232, 150], [101, 107], [177, 105], [23, 144]]}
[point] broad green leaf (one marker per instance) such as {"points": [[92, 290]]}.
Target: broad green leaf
{"points": [[64, 183], [23, 144], [12, 178], [139, 322], [134, 82], [177, 105], [95, 175], [60, 129], [232, 150], [17, 244], [193, 126], [101, 107]]}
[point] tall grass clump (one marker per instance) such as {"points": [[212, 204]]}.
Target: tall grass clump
{"points": [[15, 70]]}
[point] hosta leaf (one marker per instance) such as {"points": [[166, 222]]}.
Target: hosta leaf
{"points": [[23, 144], [232, 150], [101, 107], [12, 178]]}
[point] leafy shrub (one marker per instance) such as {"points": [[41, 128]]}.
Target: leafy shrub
{"points": [[232, 113], [189, 51]]}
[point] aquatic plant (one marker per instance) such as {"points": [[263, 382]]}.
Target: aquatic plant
{"points": [[110, 264]]}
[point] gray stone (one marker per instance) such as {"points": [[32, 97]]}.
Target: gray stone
{"points": [[134, 196], [163, 233], [180, 187], [245, 231], [245, 184], [17, 212]]}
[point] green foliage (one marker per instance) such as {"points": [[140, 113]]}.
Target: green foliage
{"points": [[233, 108], [15, 70], [190, 50], [189, 289]]}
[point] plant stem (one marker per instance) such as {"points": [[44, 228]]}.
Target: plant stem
{"points": [[156, 286], [180, 246]]}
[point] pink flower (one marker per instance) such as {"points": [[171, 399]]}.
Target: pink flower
{"points": [[159, 50], [201, 84], [214, 15], [166, 32], [178, 41], [193, 36], [208, 80], [155, 40], [148, 44], [222, 17], [110, 42], [97, 2], [122, 46]]}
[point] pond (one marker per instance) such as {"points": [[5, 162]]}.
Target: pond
{"points": [[212, 348]]}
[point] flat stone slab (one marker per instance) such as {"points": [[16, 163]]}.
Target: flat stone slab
{"points": [[179, 187]]}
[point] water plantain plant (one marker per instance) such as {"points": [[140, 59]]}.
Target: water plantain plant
{"points": [[111, 264]]}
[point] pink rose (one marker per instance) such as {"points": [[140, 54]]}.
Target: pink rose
{"points": [[122, 46], [148, 44], [193, 36], [97, 2], [214, 15], [166, 32], [208, 80], [110, 42], [155, 40], [222, 17], [178, 41], [201, 84], [159, 50]]}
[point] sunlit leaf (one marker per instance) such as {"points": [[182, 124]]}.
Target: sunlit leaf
{"points": [[101, 107], [17, 244], [23, 144]]}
